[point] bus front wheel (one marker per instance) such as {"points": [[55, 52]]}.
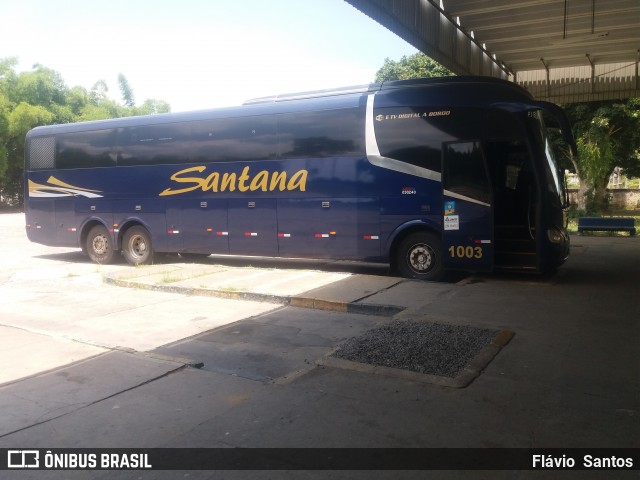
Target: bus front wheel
{"points": [[99, 245], [136, 246], [419, 256]]}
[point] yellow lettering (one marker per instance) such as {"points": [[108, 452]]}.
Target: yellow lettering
{"points": [[217, 182], [278, 179], [177, 178], [298, 180], [244, 176], [228, 180], [211, 183], [259, 182]]}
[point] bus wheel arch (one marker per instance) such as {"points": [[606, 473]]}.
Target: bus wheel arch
{"points": [[136, 244], [417, 253], [98, 243]]}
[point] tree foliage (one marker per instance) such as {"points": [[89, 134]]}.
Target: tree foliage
{"points": [[412, 66], [126, 91], [41, 97], [608, 136]]}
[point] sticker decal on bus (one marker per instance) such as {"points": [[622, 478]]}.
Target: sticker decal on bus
{"points": [[449, 207], [404, 116], [58, 188], [452, 222]]}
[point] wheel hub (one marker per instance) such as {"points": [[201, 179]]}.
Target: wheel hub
{"points": [[139, 246], [100, 245], [420, 258]]}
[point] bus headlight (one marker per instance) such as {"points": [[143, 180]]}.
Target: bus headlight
{"points": [[556, 236]]}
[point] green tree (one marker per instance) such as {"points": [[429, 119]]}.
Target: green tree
{"points": [[4, 136], [77, 100], [22, 118], [41, 97], [412, 66], [7, 76], [126, 91], [42, 86], [98, 92], [608, 136], [152, 106], [7, 73], [29, 99]]}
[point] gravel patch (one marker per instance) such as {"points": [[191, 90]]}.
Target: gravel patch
{"points": [[421, 347]]}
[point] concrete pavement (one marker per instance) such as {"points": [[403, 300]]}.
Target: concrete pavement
{"points": [[570, 377], [301, 288]]}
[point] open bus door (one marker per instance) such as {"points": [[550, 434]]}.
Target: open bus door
{"points": [[467, 235]]}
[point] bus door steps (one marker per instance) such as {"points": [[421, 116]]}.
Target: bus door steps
{"points": [[515, 245], [515, 257], [515, 253], [514, 248], [514, 231], [516, 268]]}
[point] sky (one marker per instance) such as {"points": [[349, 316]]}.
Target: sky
{"points": [[199, 54]]}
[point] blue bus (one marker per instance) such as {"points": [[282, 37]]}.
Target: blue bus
{"points": [[428, 175]]}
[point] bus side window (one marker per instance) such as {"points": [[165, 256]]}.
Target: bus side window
{"points": [[464, 171], [41, 153], [320, 134], [242, 139], [85, 149], [414, 140], [154, 144]]}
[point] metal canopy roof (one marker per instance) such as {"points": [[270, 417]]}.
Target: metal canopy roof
{"points": [[560, 50]]}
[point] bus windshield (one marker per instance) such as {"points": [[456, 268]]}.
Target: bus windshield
{"points": [[553, 166], [554, 177]]}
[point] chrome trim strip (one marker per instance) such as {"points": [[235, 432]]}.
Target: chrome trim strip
{"points": [[373, 152], [449, 193]]}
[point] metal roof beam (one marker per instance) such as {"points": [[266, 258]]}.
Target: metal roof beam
{"points": [[590, 48], [430, 29]]}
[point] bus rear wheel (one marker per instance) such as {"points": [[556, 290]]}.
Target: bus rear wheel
{"points": [[99, 245], [419, 256], [136, 246]]}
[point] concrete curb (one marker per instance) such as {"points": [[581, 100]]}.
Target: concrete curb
{"points": [[462, 380], [293, 301]]}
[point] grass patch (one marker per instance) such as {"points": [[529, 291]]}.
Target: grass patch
{"points": [[168, 278], [229, 289]]}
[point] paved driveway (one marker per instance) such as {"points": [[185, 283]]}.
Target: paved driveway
{"points": [[55, 308]]}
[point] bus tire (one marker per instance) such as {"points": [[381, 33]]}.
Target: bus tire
{"points": [[137, 247], [99, 245], [419, 256]]}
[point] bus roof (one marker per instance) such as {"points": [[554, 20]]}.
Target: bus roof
{"points": [[447, 90], [384, 86]]}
